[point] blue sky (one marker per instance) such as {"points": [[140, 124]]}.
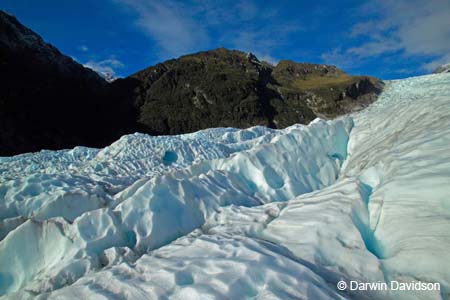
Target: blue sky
{"points": [[385, 38]]}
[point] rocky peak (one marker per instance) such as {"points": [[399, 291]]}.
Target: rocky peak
{"points": [[14, 35], [253, 59], [47, 100], [17, 40], [442, 69]]}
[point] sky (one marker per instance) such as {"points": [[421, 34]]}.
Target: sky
{"points": [[385, 38]]}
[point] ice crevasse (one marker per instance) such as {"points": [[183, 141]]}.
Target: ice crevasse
{"points": [[239, 214]]}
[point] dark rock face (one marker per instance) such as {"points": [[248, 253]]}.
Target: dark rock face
{"points": [[48, 101]]}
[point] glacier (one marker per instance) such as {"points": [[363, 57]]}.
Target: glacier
{"points": [[231, 213]]}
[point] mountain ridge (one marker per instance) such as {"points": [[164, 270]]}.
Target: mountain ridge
{"points": [[52, 102], [221, 87], [44, 94]]}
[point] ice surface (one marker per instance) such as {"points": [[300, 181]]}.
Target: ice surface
{"points": [[69, 182], [168, 206], [239, 214]]}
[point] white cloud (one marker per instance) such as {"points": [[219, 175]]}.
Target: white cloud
{"points": [[106, 68], [339, 58], [262, 41], [375, 47], [434, 64], [170, 24], [412, 27], [83, 48], [181, 28], [267, 58]]}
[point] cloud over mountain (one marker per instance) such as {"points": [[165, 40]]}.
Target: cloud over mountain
{"points": [[406, 28]]}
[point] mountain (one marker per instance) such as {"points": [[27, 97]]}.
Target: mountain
{"points": [[49, 101], [221, 88], [227, 213]]}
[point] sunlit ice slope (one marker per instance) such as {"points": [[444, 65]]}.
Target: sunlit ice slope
{"points": [[61, 221], [240, 214]]}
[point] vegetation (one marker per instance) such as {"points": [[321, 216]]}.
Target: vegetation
{"points": [[232, 88]]}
